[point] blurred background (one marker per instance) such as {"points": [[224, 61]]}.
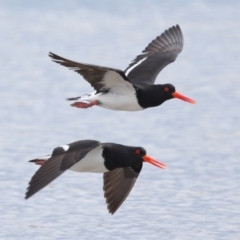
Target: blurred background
{"points": [[197, 196]]}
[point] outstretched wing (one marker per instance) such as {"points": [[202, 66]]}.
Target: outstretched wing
{"points": [[163, 50], [117, 185], [62, 159], [101, 78]]}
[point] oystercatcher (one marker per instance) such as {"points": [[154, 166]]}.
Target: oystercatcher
{"points": [[132, 89], [119, 164]]}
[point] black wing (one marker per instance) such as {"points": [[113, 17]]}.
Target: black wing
{"points": [[58, 163], [100, 78], [117, 185], [163, 50]]}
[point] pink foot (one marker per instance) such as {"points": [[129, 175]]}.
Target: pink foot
{"points": [[84, 105], [40, 162]]}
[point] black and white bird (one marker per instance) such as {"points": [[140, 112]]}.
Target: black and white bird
{"points": [[119, 164], [132, 89]]}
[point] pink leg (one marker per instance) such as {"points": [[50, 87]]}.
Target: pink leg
{"points": [[40, 162], [84, 105]]}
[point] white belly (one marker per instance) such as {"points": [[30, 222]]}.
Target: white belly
{"points": [[115, 101], [92, 162]]}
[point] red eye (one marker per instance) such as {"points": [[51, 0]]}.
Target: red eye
{"points": [[166, 89], [137, 152]]}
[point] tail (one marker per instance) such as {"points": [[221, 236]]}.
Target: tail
{"points": [[38, 161]]}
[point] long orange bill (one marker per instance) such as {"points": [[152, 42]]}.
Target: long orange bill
{"points": [[182, 97], [154, 162]]}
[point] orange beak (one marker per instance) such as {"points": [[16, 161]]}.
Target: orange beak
{"points": [[182, 97], [154, 162]]}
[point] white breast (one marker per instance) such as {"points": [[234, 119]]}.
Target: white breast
{"points": [[119, 102], [92, 162], [126, 101]]}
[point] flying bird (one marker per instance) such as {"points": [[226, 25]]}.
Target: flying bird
{"points": [[119, 164], [132, 89]]}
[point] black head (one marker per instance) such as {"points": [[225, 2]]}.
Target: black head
{"points": [[155, 95], [117, 155], [166, 91], [169, 92]]}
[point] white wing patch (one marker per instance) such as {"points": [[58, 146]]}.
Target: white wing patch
{"points": [[45, 157], [65, 147], [135, 65]]}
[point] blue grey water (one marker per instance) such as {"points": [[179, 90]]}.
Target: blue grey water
{"points": [[197, 196]]}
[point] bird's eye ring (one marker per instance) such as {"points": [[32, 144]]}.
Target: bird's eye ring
{"points": [[166, 89], [137, 151]]}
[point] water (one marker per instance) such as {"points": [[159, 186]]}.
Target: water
{"points": [[197, 196]]}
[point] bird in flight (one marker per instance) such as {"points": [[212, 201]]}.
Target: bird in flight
{"points": [[132, 89], [119, 164]]}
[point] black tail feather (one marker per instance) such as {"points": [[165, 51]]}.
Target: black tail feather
{"points": [[34, 160], [73, 99]]}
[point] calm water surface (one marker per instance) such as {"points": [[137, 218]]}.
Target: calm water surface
{"points": [[197, 196]]}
